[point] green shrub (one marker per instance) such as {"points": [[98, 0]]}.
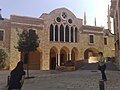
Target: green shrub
{"points": [[4, 62]]}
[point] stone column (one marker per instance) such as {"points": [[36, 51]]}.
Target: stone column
{"points": [[70, 55], [58, 59]]}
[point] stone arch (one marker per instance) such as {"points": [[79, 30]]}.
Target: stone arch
{"points": [[90, 52], [65, 48], [74, 53], [59, 10], [63, 55], [53, 57]]}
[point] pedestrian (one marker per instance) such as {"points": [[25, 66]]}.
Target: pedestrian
{"points": [[17, 77], [102, 65]]}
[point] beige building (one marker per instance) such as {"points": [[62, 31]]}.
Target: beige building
{"points": [[62, 37], [115, 14]]}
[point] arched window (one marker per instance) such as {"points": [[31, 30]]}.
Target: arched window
{"points": [[71, 34], [61, 33], [76, 34], [56, 33], [1, 35], [51, 32], [67, 34]]}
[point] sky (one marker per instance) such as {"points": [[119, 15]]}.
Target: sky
{"points": [[35, 8]]}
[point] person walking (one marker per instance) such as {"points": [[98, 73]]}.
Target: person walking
{"points": [[102, 65], [17, 77]]}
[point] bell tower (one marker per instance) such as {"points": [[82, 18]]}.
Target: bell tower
{"points": [[85, 18], [109, 21], [95, 21]]}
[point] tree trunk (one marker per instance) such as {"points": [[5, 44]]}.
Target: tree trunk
{"points": [[26, 61]]}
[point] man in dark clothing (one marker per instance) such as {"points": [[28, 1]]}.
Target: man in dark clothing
{"points": [[17, 77]]}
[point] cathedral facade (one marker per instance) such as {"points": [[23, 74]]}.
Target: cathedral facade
{"points": [[62, 37]]}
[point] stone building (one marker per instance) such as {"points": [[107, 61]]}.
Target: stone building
{"points": [[115, 14], [62, 37]]}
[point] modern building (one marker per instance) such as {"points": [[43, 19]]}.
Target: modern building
{"points": [[115, 14], [62, 37]]}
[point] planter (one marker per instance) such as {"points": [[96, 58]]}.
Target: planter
{"points": [[69, 63], [65, 68], [69, 68]]}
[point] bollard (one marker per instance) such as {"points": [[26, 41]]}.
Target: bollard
{"points": [[101, 85]]}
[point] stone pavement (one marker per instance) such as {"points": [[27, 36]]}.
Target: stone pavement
{"points": [[76, 80]]}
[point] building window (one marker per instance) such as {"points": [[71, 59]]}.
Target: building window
{"points": [[105, 41], [1, 35], [70, 21], [56, 33], [58, 19], [71, 34], [61, 33], [67, 34], [51, 32], [64, 15], [75, 34], [91, 38]]}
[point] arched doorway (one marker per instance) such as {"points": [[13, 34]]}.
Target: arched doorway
{"points": [[91, 55], [90, 52], [34, 60], [74, 54], [53, 58], [63, 55]]}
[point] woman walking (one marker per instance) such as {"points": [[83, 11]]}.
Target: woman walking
{"points": [[102, 65]]}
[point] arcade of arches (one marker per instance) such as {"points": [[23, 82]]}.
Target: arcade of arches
{"points": [[58, 57]]}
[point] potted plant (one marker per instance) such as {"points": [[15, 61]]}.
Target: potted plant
{"points": [[69, 63]]}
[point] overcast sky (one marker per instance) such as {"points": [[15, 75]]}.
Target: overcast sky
{"points": [[34, 8]]}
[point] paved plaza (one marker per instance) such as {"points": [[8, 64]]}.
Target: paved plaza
{"points": [[76, 80]]}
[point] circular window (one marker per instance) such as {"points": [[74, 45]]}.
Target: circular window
{"points": [[64, 15], [58, 19], [70, 21]]}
